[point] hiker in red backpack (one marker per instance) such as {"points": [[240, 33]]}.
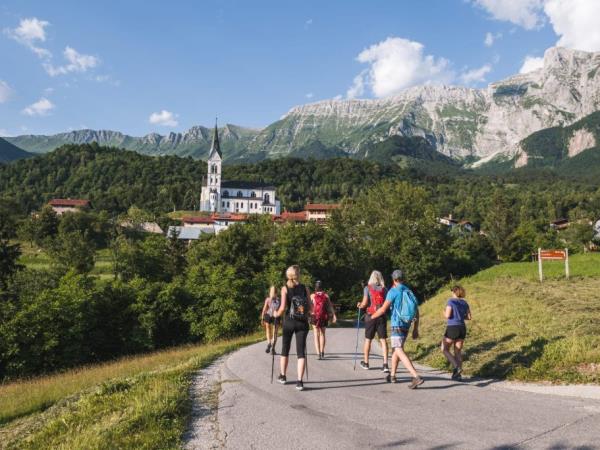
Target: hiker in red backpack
{"points": [[374, 296], [322, 311]]}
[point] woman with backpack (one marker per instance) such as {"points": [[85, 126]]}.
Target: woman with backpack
{"points": [[456, 312], [322, 311], [374, 296], [295, 303], [267, 318]]}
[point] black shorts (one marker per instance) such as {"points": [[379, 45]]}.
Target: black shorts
{"points": [[456, 332], [378, 325], [272, 320]]}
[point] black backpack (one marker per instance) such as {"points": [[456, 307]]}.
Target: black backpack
{"points": [[298, 303]]}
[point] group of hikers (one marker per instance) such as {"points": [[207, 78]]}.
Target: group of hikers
{"points": [[297, 308]]}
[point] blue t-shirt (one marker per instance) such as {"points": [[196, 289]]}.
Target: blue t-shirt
{"points": [[394, 296], [460, 309]]}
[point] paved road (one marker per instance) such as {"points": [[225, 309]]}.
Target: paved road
{"points": [[342, 408]]}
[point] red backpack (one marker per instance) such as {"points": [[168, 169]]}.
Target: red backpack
{"points": [[320, 314], [377, 298]]}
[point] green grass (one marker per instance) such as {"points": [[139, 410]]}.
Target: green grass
{"points": [[137, 402], [524, 330]]}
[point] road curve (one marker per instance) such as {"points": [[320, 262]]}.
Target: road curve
{"points": [[345, 408]]}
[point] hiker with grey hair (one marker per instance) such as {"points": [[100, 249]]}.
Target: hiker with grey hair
{"points": [[405, 312]]}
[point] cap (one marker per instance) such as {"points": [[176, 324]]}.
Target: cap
{"points": [[397, 274]]}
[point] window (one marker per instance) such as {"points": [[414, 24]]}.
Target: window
{"points": [[222, 204], [253, 194], [267, 198], [240, 194], [213, 168], [228, 204], [225, 194]]}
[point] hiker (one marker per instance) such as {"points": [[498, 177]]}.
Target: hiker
{"points": [[374, 296], [322, 311], [295, 298], [405, 311], [456, 312], [268, 320]]}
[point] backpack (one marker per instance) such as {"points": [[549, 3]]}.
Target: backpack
{"points": [[377, 298], [273, 305], [298, 303], [320, 314], [408, 307]]}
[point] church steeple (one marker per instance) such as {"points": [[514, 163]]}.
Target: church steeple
{"points": [[215, 147]]}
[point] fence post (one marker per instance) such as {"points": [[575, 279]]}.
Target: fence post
{"points": [[567, 262]]}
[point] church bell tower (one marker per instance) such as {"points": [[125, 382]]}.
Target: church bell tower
{"points": [[213, 182]]}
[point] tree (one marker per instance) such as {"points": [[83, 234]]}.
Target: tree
{"points": [[72, 250], [499, 223]]}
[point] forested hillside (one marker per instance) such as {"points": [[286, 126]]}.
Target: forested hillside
{"points": [[10, 152]]}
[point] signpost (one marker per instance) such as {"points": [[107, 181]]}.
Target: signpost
{"points": [[553, 255]]}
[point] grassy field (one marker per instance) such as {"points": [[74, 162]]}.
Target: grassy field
{"points": [[35, 258], [524, 330], [137, 402]]}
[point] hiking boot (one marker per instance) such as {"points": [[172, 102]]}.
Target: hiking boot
{"points": [[282, 379], [268, 350], [418, 381], [386, 369], [322, 355], [456, 373], [299, 385], [391, 379], [364, 365], [319, 357]]}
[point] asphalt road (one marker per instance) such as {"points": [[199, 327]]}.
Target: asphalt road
{"points": [[342, 409]]}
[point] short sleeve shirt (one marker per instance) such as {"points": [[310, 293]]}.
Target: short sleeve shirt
{"points": [[394, 296], [460, 309]]}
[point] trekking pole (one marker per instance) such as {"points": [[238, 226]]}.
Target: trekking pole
{"points": [[357, 331], [306, 364], [273, 348]]}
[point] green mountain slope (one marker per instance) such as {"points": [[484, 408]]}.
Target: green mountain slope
{"points": [[10, 152]]}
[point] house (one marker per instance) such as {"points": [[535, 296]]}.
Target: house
{"points": [[466, 226], [449, 221], [215, 223], [463, 225], [63, 205], [247, 197], [300, 217], [560, 224], [320, 212], [187, 234], [193, 221]]}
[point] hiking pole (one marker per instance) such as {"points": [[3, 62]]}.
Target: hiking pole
{"points": [[357, 331], [273, 348]]}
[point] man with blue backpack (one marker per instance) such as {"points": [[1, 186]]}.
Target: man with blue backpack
{"points": [[404, 313]]}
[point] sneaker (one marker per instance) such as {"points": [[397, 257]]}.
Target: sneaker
{"points": [[418, 381], [322, 355], [364, 365], [299, 385], [456, 373], [268, 350], [386, 369], [319, 357], [282, 379], [391, 379]]}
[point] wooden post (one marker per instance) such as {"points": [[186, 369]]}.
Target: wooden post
{"points": [[567, 262], [540, 264]]}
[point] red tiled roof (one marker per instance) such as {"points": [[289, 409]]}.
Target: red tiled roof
{"points": [[69, 202], [231, 217], [321, 206], [206, 220], [300, 216]]}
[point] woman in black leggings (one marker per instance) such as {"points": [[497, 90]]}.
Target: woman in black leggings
{"points": [[297, 307]]}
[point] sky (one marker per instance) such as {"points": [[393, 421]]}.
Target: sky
{"points": [[155, 66]]}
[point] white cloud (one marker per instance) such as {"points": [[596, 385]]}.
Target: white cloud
{"points": [[40, 108], [531, 63], [526, 13], [5, 133], [396, 64], [576, 22], [5, 91], [310, 95], [28, 33], [164, 118], [475, 75], [77, 62], [490, 38]]}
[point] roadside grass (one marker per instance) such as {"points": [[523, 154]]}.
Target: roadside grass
{"points": [[521, 329], [135, 402]]}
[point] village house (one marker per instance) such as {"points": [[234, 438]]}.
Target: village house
{"points": [[320, 212], [463, 225], [64, 205], [560, 224]]}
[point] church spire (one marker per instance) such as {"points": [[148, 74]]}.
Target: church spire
{"points": [[215, 147]]}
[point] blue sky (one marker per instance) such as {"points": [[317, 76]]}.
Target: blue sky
{"points": [[154, 66]]}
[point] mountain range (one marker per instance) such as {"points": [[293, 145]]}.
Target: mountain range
{"points": [[461, 123]]}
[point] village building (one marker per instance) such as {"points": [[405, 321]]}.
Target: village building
{"points": [[187, 234], [222, 196], [64, 205], [320, 212], [452, 223]]}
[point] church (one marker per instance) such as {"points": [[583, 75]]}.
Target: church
{"points": [[243, 197]]}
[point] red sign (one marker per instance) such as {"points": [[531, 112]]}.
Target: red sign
{"points": [[558, 255]]}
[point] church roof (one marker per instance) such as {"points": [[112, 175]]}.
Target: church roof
{"points": [[215, 146], [246, 185]]}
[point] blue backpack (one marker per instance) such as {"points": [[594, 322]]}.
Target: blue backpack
{"points": [[408, 306]]}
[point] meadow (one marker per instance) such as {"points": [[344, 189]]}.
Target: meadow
{"points": [[523, 329], [134, 402]]}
